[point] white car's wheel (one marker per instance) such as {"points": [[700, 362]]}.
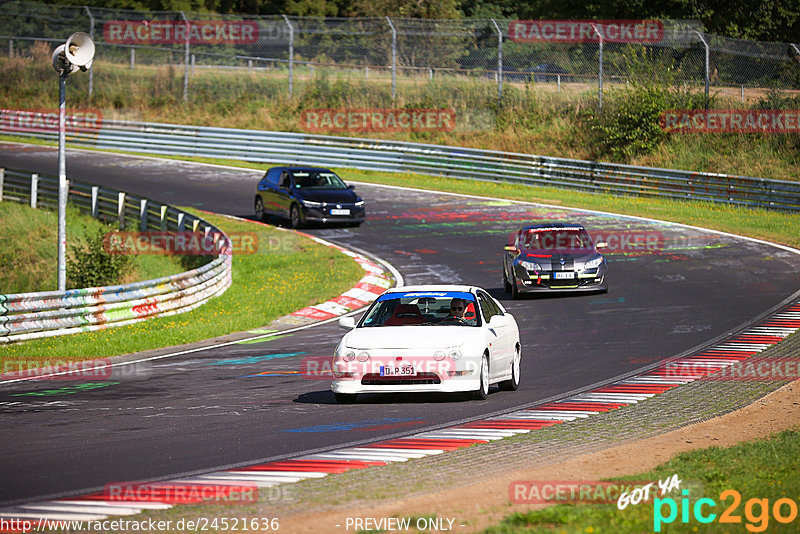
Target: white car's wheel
{"points": [[483, 388], [513, 383]]}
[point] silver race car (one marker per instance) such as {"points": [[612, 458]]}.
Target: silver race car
{"points": [[553, 257]]}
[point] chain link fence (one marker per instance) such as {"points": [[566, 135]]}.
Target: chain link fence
{"points": [[389, 62]]}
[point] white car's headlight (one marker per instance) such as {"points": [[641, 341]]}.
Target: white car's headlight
{"points": [[311, 204], [349, 355], [439, 355], [531, 265], [363, 356], [359, 203], [593, 264]]}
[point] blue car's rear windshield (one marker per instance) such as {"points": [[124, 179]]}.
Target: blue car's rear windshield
{"points": [[317, 180], [453, 308]]}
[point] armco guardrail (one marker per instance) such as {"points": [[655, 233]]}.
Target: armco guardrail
{"points": [[53, 313], [438, 160]]}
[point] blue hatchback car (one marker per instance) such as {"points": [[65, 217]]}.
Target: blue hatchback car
{"points": [[307, 194]]}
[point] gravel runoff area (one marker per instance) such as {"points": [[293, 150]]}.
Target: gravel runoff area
{"points": [[630, 429]]}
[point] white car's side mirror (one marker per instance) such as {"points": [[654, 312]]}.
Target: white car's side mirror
{"points": [[347, 322]]}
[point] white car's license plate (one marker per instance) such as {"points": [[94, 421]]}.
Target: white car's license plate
{"points": [[564, 276], [334, 211], [402, 370]]}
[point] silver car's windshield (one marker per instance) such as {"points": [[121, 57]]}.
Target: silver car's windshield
{"points": [[554, 239], [424, 311]]}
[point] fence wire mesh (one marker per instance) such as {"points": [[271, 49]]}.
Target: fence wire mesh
{"points": [[392, 62]]}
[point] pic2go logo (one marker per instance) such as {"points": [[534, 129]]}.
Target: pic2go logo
{"points": [[756, 511]]}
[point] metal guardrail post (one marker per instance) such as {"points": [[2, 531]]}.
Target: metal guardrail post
{"points": [[499, 62], [394, 58], [181, 223], [143, 215], [707, 64], [34, 189], [599, 69], [91, 34], [163, 218], [186, 60], [95, 207], [291, 55], [2, 182], [121, 210]]}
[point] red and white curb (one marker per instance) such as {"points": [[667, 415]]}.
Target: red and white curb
{"points": [[705, 363]]}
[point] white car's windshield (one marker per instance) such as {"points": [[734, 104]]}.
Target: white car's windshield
{"points": [[423, 308]]}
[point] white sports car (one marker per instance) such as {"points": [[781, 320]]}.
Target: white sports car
{"points": [[426, 339]]}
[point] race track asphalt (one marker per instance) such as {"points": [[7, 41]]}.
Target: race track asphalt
{"points": [[249, 403]]}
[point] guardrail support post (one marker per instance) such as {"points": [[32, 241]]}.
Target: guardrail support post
{"points": [[163, 219], [707, 64], [143, 215], [121, 210], [499, 62], [34, 189], [394, 58], [195, 224], [186, 60], [133, 58], [95, 203], [180, 222], [2, 182], [291, 55]]}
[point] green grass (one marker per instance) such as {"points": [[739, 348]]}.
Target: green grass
{"points": [[28, 249], [763, 469], [288, 272], [533, 118]]}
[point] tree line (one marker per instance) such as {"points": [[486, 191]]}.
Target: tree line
{"points": [[763, 20]]}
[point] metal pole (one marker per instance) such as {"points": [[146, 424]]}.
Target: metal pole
{"points": [[186, 61], [62, 181], [600, 70], [91, 34], [394, 58], [291, 55], [499, 62], [708, 62], [133, 57]]}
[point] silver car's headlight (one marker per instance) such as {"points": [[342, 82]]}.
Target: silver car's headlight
{"points": [[531, 265], [593, 264], [311, 204]]}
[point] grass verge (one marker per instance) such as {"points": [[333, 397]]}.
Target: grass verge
{"points": [[288, 272], [28, 249], [761, 470]]}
